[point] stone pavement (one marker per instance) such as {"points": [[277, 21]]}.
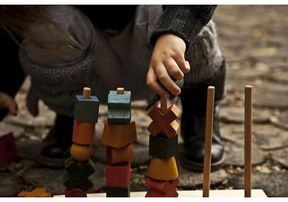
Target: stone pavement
{"points": [[254, 41]]}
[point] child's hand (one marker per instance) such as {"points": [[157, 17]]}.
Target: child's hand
{"points": [[6, 101], [167, 61]]}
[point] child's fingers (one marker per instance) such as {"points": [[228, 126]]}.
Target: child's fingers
{"points": [[173, 69], [6, 101], [166, 80], [153, 84]]}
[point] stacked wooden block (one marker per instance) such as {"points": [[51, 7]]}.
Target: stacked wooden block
{"points": [[163, 173], [118, 135], [79, 165], [8, 149]]}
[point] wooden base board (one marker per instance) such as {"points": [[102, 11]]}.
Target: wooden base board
{"points": [[195, 193]]}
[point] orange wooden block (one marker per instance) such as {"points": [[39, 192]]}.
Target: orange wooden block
{"points": [[83, 133], [157, 188], [38, 192], [81, 153], [119, 135], [118, 175], [164, 123], [163, 169], [122, 155]]}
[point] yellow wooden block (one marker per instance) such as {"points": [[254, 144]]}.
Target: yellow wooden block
{"points": [[163, 169], [38, 192], [81, 153], [119, 135]]}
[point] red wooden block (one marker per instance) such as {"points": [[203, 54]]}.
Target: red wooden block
{"points": [[118, 175], [77, 192], [38, 192], [157, 188], [122, 155], [8, 149]]}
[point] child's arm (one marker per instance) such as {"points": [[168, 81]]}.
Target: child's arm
{"points": [[6, 101], [167, 60], [172, 37]]}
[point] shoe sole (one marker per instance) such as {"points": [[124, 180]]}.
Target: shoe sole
{"points": [[199, 166]]}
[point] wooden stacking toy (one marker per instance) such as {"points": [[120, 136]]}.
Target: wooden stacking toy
{"points": [[118, 135], [79, 165]]}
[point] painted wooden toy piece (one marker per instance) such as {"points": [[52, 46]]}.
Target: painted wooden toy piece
{"points": [[159, 188], [162, 147], [121, 155], [38, 192], [8, 149]]}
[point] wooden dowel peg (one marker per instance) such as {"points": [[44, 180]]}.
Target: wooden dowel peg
{"points": [[120, 90], [248, 138], [86, 92], [164, 105], [208, 140]]}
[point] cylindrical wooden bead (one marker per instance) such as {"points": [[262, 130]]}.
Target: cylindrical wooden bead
{"points": [[81, 153], [122, 155], [83, 133]]}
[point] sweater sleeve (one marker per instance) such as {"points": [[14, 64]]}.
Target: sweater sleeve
{"points": [[184, 21]]}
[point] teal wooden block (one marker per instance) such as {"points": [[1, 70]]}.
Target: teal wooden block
{"points": [[119, 116], [78, 177], [119, 101], [163, 147], [86, 110]]}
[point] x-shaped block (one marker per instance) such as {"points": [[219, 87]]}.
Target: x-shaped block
{"points": [[157, 188], [164, 122], [77, 177]]}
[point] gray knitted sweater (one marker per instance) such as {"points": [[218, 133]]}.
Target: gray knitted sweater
{"points": [[58, 75]]}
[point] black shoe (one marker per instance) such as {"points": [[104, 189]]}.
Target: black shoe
{"points": [[56, 145], [193, 120]]}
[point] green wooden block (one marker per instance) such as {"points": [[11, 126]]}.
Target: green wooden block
{"points": [[119, 116], [78, 177], [86, 110], [118, 191], [119, 101], [163, 147]]}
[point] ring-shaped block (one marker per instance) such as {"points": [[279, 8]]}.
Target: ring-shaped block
{"points": [[83, 133], [86, 110], [119, 135], [162, 147], [163, 169]]}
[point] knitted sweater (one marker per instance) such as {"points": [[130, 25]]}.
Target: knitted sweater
{"points": [[51, 79]]}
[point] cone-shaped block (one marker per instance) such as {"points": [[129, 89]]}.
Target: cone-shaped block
{"points": [[118, 135], [163, 169]]}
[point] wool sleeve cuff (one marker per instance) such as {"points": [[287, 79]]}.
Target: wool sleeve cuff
{"points": [[183, 21]]}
